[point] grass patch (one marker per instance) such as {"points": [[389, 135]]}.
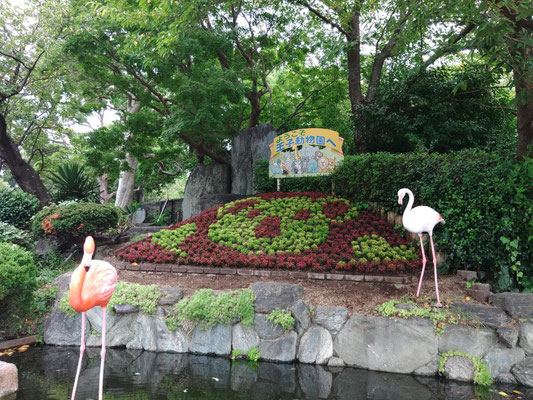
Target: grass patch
{"points": [[481, 371], [283, 318], [206, 309], [439, 316]]}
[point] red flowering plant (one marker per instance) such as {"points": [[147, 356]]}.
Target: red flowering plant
{"points": [[301, 230]]}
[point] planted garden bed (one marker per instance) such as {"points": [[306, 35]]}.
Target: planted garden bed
{"points": [[298, 231]]}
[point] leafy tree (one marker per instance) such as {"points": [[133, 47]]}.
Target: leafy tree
{"points": [[72, 182]]}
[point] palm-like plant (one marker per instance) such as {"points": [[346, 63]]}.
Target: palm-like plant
{"points": [[72, 182]]}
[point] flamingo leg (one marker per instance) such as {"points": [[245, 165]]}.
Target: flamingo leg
{"points": [[82, 350], [435, 270], [102, 357], [423, 265]]}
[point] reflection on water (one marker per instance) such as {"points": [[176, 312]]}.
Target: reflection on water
{"points": [[48, 373]]}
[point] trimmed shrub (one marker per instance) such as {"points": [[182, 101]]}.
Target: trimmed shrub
{"points": [[75, 220], [17, 207], [486, 200], [18, 275]]}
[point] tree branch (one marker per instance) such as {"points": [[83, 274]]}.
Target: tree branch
{"points": [[327, 20]]}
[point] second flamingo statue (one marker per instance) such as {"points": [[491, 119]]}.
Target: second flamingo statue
{"points": [[419, 220], [92, 284]]}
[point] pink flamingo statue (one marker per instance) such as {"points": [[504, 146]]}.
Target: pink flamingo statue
{"points": [[92, 284], [419, 220]]}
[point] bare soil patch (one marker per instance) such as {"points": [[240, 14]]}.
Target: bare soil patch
{"points": [[357, 297]]}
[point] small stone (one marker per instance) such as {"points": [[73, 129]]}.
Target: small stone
{"points": [[459, 369], [407, 307], [506, 377], [302, 315], [500, 359], [508, 336], [316, 346], [467, 275], [526, 337], [171, 296], [244, 338], [272, 296], [266, 329], [8, 378], [331, 318], [282, 349], [479, 292], [523, 372], [336, 362], [493, 317], [518, 305], [126, 309]]}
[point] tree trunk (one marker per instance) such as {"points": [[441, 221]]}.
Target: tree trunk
{"points": [[103, 182], [126, 182], [524, 108], [23, 173]]}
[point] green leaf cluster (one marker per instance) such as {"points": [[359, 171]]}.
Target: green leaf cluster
{"points": [[171, 239], [282, 318], [11, 234], [206, 309], [72, 182], [17, 207], [481, 371], [376, 248]]}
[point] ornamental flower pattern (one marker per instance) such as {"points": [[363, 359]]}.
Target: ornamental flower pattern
{"points": [[302, 230]]}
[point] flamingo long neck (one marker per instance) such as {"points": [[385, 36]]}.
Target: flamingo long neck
{"points": [[410, 202], [76, 286]]}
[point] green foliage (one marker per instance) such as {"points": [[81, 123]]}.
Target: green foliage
{"points": [[283, 318], [74, 220], [442, 110], [143, 296], [482, 197], [481, 371], [17, 207], [375, 248], [172, 239], [72, 182], [236, 353], [17, 279], [253, 354], [10, 233], [439, 316], [207, 309]]}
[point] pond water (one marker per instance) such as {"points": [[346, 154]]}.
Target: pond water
{"points": [[48, 373]]}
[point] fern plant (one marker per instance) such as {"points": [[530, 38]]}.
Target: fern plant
{"points": [[72, 182]]}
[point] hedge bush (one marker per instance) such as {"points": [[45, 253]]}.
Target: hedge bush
{"points": [[17, 207], [18, 275], [75, 220], [486, 200], [11, 234]]}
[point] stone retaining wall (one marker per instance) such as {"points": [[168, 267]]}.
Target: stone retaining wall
{"points": [[324, 335]]}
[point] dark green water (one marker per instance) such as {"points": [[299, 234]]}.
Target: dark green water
{"points": [[48, 373]]}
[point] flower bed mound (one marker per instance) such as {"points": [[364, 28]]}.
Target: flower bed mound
{"points": [[307, 230]]}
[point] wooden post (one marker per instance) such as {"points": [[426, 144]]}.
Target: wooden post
{"points": [[278, 184]]}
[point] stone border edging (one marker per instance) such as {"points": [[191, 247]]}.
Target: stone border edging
{"points": [[264, 273]]}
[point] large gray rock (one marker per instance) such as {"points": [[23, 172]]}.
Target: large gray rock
{"points": [[244, 338], [459, 369], [383, 344], [9, 382], [331, 318], [523, 372], [272, 296], [282, 349], [500, 359], [94, 316], [508, 336], [216, 340], [526, 337], [125, 309], [315, 382], [44, 246], [172, 295], [493, 317], [249, 146], [209, 201], [62, 330], [473, 341], [518, 305], [301, 314], [429, 369], [265, 328], [205, 180], [122, 333], [316, 346]]}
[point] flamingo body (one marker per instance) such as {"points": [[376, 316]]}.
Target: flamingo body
{"points": [[419, 220], [92, 284]]}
